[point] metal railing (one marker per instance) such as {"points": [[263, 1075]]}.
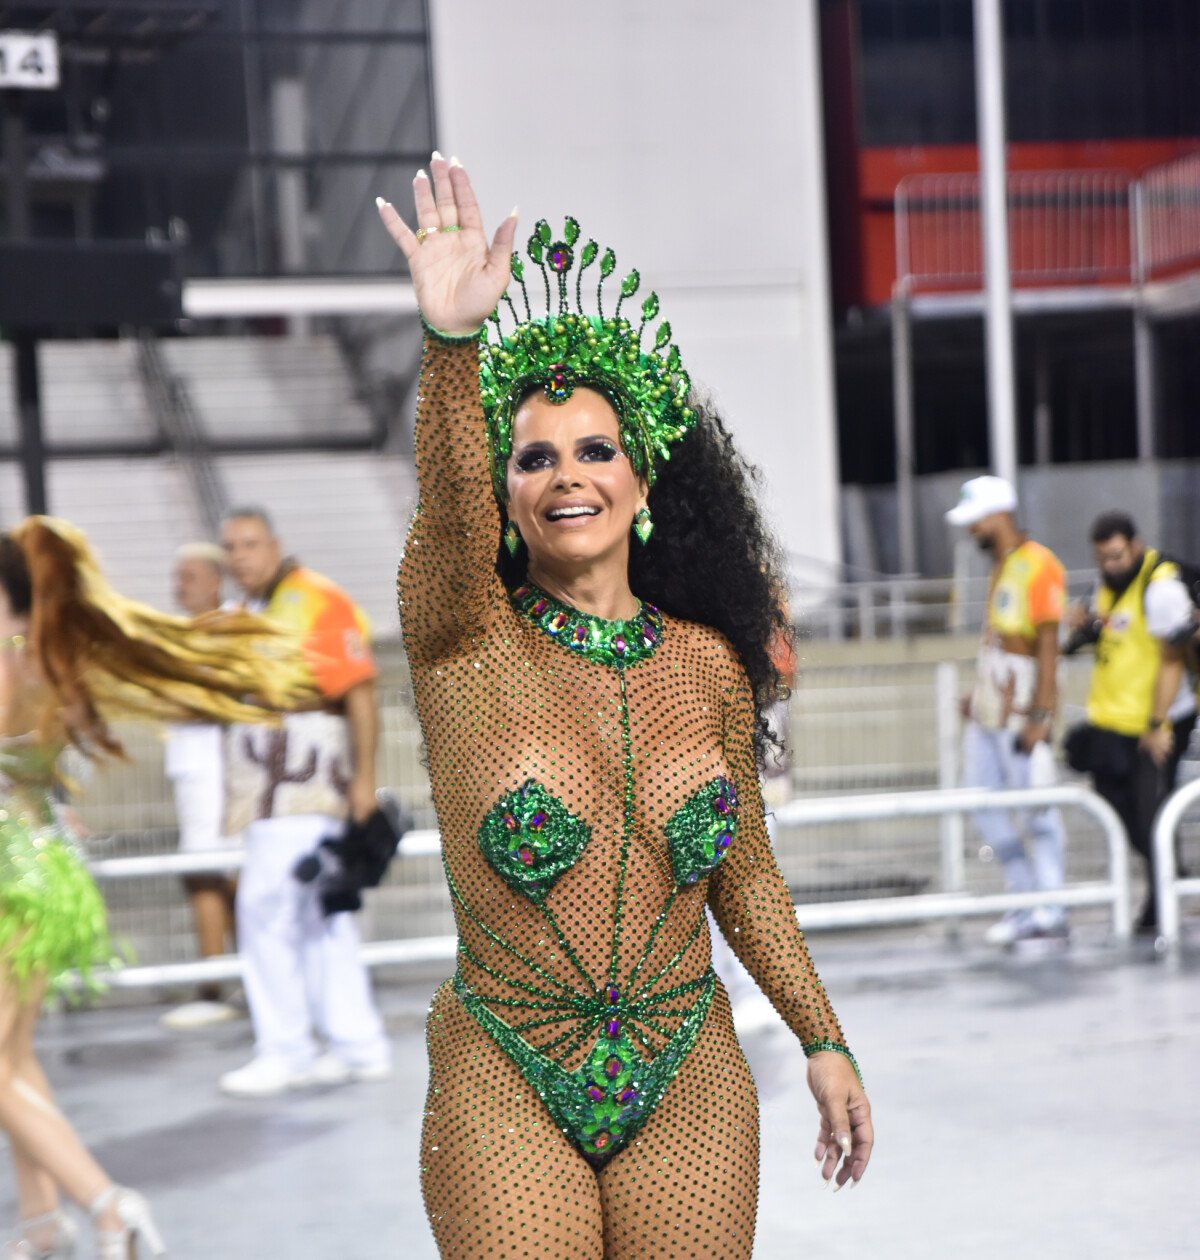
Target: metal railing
{"points": [[1170, 885], [954, 902], [176, 415], [1170, 215], [897, 607], [1064, 227]]}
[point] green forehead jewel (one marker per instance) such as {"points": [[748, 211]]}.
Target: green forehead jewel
{"points": [[569, 347]]}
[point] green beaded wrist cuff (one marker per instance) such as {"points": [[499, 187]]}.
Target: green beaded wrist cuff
{"points": [[449, 339], [815, 1047]]}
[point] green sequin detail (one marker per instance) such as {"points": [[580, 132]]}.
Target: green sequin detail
{"points": [[531, 838], [52, 917], [602, 1104], [702, 829], [815, 1047], [570, 346], [617, 644]]}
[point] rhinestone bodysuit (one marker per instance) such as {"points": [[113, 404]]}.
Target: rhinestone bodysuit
{"points": [[595, 787]]}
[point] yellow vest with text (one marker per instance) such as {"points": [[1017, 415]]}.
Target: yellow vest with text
{"points": [[1128, 656]]}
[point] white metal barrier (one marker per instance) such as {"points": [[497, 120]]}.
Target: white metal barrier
{"points": [[952, 903], [1169, 886]]}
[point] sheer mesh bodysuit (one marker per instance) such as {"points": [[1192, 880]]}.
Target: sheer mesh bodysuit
{"points": [[595, 785]]}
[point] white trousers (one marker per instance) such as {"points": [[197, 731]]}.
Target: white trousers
{"points": [[302, 970], [990, 760]]}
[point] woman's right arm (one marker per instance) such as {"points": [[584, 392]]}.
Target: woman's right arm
{"points": [[448, 585]]}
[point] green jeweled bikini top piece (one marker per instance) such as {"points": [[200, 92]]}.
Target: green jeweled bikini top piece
{"points": [[569, 347], [617, 644]]}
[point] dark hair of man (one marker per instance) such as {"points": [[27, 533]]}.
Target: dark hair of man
{"points": [[14, 576], [251, 512], [711, 558], [1111, 524]]}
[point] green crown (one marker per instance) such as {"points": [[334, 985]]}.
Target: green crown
{"points": [[568, 348]]}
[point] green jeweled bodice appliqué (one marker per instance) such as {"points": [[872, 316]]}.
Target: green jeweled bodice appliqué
{"points": [[617, 644], [616, 1018], [531, 838]]}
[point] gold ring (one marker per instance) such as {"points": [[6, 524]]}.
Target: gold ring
{"points": [[422, 233]]}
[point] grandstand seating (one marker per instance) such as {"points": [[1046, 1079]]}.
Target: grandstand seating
{"points": [[343, 513], [267, 387]]}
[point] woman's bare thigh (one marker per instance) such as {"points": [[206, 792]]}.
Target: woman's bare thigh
{"points": [[688, 1184], [498, 1177]]}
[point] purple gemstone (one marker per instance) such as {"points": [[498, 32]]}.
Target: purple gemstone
{"points": [[693, 877], [525, 854], [601, 1140], [612, 1069], [619, 644], [614, 995], [724, 840], [510, 822], [627, 1095], [595, 1093], [613, 1028], [721, 805], [538, 821], [539, 608], [560, 257], [521, 591], [557, 622], [580, 634]]}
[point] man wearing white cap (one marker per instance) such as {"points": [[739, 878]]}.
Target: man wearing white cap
{"points": [[1011, 707]]}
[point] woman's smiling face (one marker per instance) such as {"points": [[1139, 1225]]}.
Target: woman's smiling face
{"points": [[572, 491]]}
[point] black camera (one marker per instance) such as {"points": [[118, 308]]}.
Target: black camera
{"points": [[1085, 636]]}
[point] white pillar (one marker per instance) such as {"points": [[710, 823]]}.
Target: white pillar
{"points": [[993, 196]]}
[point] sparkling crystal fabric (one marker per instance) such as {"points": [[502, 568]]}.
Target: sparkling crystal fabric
{"points": [[588, 809]]}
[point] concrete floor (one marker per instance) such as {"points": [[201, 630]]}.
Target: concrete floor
{"points": [[1035, 1108]]}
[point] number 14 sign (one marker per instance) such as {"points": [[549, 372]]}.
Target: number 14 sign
{"points": [[28, 59]]}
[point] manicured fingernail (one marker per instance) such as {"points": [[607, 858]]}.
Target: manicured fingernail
{"points": [[512, 214], [843, 1140], [422, 175], [846, 1185], [379, 203], [828, 1181], [455, 162], [437, 157]]}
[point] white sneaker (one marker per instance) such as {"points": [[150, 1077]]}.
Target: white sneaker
{"points": [[332, 1069], [1007, 932], [264, 1077], [193, 1015]]}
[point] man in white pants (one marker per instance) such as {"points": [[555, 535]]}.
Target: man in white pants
{"points": [[290, 787], [1010, 711], [193, 763]]}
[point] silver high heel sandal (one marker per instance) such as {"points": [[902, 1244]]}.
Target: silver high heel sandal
{"points": [[56, 1226], [136, 1223]]}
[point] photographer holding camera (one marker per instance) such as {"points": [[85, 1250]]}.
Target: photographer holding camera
{"points": [[1141, 709]]}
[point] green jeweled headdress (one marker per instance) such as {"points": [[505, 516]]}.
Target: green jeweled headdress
{"points": [[569, 347]]}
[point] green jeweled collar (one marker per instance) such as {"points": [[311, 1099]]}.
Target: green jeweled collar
{"points": [[617, 644]]}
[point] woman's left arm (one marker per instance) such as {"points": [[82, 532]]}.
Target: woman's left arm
{"points": [[753, 907]]}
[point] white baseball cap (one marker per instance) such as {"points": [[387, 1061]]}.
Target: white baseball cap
{"points": [[981, 496]]}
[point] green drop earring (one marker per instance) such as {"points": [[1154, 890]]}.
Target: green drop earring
{"points": [[512, 538], [643, 526]]}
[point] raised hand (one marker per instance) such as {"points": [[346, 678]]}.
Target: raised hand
{"points": [[458, 277]]}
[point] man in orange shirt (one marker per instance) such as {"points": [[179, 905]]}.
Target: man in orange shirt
{"points": [[290, 787], [1010, 711]]}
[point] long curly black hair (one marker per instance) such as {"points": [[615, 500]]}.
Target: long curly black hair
{"points": [[711, 558]]}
